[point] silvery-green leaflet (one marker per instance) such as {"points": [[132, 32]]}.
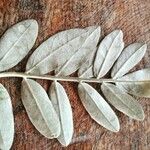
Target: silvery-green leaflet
{"points": [[65, 53]]}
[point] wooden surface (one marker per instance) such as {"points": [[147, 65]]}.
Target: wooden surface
{"points": [[132, 16]]}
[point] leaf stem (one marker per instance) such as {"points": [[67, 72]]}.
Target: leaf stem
{"points": [[67, 79]]}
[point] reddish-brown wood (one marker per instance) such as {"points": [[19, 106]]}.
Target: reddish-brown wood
{"points": [[132, 16]]}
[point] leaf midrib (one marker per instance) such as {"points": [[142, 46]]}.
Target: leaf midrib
{"points": [[31, 92], [68, 61], [60, 117], [126, 62], [84, 72], [108, 51], [15, 43], [121, 100], [100, 110], [54, 51]]}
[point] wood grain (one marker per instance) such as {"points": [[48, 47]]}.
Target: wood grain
{"points": [[132, 16]]}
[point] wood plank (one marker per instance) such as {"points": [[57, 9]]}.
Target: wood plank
{"points": [[132, 16]]}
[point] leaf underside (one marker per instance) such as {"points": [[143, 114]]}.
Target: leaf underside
{"points": [[62, 106], [141, 89], [130, 56], [86, 69], [108, 52], [98, 108], [40, 109], [122, 101], [80, 56], [62, 49], [7, 120], [16, 42]]}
